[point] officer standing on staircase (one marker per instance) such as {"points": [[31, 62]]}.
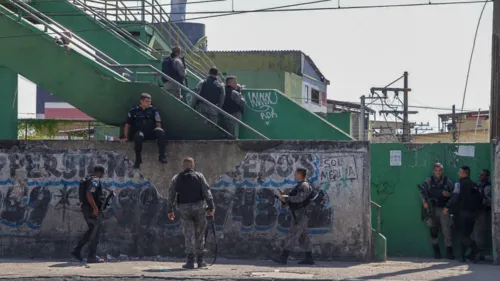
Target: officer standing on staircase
{"points": [[174, 67], [213, 91], [435, 194], [298, 201], [144, 123], [189, 191]]}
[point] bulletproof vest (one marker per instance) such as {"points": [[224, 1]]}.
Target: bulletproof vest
{"points": [[97, 195], [470, 196], [145, 119], [211, 90], [172, 72], [230, 106], [303, 204], [436, 192], [189, 187]]}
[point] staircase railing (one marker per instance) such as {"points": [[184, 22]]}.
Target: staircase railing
{"points": [[98, 16], [108, 62], [152, 12]]}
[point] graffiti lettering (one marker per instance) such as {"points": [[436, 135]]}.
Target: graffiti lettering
{"points": [[262, 103]]}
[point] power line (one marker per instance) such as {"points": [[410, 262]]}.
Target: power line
{"points": [[471, 57], [284, 9]]}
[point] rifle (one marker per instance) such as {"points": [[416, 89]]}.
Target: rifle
{"points": [[426, 213], [279, 198], [211, 223], [98, 220]]}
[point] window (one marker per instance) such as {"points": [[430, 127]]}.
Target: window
{"points": [[306, 96], [315, 96]]}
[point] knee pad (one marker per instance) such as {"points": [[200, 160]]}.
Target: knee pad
{"points": [[139, 136], [158, 130]]}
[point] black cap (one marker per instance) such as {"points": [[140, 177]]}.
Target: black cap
{"points": [[99, 168]]}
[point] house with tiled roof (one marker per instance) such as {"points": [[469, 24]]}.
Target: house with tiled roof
{"points": [[290, 71]]}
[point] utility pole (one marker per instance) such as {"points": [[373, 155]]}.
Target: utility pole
{"points": [[406, 123], [495, 75], [362, 120], [454, 124]]}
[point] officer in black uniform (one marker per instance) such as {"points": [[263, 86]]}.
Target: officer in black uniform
{"points": [[466, 200], [191, 194], [213, 91], [92, 199], [144, 123]]}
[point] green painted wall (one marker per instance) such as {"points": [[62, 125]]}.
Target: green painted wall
{"points": [[278, 117], [289, 61], [341, 120], [293, 87], [8, 106], [395, 189], [264, 79]]}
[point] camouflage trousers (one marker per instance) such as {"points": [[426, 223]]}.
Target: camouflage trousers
{"points": [[440, 223], [174, 89], [231, 126], [208, 111], [194, 223], [479, 234], [298, 234]]}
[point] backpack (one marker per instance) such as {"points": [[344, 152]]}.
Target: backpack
{"points": [[82, 189]]}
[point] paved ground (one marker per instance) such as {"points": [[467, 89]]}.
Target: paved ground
{"points": [[228, 270]]}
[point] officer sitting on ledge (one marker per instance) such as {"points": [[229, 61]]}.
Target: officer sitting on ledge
{"points": [[144, 123], [298, 201]]}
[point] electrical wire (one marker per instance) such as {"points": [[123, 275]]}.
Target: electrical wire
{"points": [[470, 60], [284, 9]]}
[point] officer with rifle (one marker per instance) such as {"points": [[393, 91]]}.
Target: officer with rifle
{"points": [[435, 193], [298, 201], [93, 205]]}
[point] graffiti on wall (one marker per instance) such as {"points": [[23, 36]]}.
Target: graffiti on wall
{"points": [[262, 103], [247, 193]]}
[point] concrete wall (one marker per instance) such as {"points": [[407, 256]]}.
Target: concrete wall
{"points": [[39, 203], [495, 203]]}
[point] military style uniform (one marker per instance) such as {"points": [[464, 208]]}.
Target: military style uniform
{"points": [[143, 127], [467, 200], [189, 191], [234, 104], [91, 236], [213, 91], [439, 222], [484, 189], [298, 202]]}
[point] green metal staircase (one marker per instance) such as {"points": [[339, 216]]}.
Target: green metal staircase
{"points": [[89, 79]]}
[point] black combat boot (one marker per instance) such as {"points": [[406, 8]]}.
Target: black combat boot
{"points": [[283, 258], [201, 261], [163, 159], [474, 252], [449, 253], [76, 252], [309, 259], [190, 262], [437, 252]]}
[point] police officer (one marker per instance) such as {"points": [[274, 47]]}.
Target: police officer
{"points": [[175, 68], [213, 91], [298, 201], [467, 201], [234, 104], [438, 189], [144, 123], [92, 199], [190, 191], [484, 188]]}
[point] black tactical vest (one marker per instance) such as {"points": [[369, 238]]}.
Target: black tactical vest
{"points": [[189, 187], [211, 90], [436, 192]]}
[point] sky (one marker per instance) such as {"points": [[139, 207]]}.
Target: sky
{"points": [[362, 48]]}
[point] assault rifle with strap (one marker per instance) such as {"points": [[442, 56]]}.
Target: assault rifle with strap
{"points": [[426, 213], [211, 224]]}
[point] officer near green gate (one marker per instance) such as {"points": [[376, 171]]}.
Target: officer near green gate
{"points": [[298, 200], [435, 194], [190, 193], [144, 123], [92, 200]]}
